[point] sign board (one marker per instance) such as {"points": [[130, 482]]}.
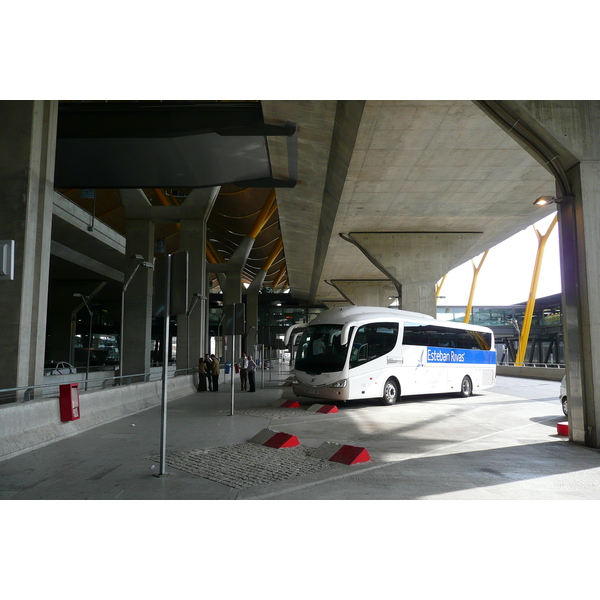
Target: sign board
{"points": [[237, 312], [178, 284]]}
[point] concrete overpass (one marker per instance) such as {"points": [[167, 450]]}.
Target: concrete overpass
{"points": [[402, 179], [384, 199]]}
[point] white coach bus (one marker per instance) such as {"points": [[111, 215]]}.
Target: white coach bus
{"points": [[354, 352]]}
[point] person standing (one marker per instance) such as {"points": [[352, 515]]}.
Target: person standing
{"points": [[202, 375], [251, 374], [209, 365], [216, 370], [243, 367]]}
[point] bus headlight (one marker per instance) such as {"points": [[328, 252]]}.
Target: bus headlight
{"points": [[342, 383]]}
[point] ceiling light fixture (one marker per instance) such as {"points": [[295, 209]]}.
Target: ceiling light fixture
{"points": [[545, 200]]}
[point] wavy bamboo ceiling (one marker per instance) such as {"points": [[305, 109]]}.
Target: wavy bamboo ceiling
{"points": [[233, 217]]}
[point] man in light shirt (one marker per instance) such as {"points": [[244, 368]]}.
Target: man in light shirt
{"points": [[318, 345], [243, 367]]}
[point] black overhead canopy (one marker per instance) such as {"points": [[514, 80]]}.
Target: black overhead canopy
{"points": [[167, 145]]}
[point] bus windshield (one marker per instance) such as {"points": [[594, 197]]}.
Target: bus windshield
{"points": [[320, 350]]}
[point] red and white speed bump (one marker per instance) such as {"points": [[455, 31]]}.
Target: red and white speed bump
{"points": [[289, 404], [563, 428], [323, 408], [274, 439], [347, 455]]}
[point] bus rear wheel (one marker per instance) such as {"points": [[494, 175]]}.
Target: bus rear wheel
{"points": [[466, 387], [390, 392]]}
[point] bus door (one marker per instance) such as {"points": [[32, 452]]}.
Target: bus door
{"points": [[364, 374], [371, 345]]}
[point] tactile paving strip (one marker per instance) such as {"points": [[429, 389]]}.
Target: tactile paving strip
{"points": [[246, 465]]}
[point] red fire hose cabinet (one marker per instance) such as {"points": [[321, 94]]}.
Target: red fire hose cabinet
{"points": [[69, 402]]}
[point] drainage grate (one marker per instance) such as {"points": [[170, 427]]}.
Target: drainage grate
{"points": [[246, 465]]}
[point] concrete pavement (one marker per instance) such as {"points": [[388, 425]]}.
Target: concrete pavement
{"points": [[501, 445]]}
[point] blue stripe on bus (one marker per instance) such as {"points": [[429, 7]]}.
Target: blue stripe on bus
{"points": [[460, 356]]}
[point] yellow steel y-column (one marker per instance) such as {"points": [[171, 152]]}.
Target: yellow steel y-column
{"points": [[473, 286], [542, 239], [280, 275], [438, 287], [265, 214]]}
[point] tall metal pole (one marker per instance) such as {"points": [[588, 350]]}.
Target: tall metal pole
{"points": [[262, 362], [234, 307], [163, 430], [122, 335], [87, 368]]}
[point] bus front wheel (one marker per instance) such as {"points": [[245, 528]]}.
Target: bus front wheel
{"points": [[466, 387], [390, 392]]}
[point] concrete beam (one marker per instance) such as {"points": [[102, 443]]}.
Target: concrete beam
{"points": [[77, 258], [413, 261]]}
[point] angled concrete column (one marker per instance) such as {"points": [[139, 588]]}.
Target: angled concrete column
{"points": [[27, 150], [579, 222], [363, 292], [194, 213], [138, 298], [564, 136], [414, 261]]}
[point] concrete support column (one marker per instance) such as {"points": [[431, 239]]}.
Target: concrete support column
{"points": [[251, 323], [192, 238], [194, 212], [579, 222], [252, 311], [419, 298], [27, 151], [413, 261], [564, 136], [138, 300], [233, 292], [375, 292]]}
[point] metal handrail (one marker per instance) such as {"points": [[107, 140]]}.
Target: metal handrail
{"points": [[28, 391], [536, 365]]}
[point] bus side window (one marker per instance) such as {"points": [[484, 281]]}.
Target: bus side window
{"points": [[372, 341]]}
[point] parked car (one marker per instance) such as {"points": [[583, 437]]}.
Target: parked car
{"points": [[562, 396], [60, 368]]}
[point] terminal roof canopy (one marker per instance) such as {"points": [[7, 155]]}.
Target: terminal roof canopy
{"points": [[355, 166]]}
